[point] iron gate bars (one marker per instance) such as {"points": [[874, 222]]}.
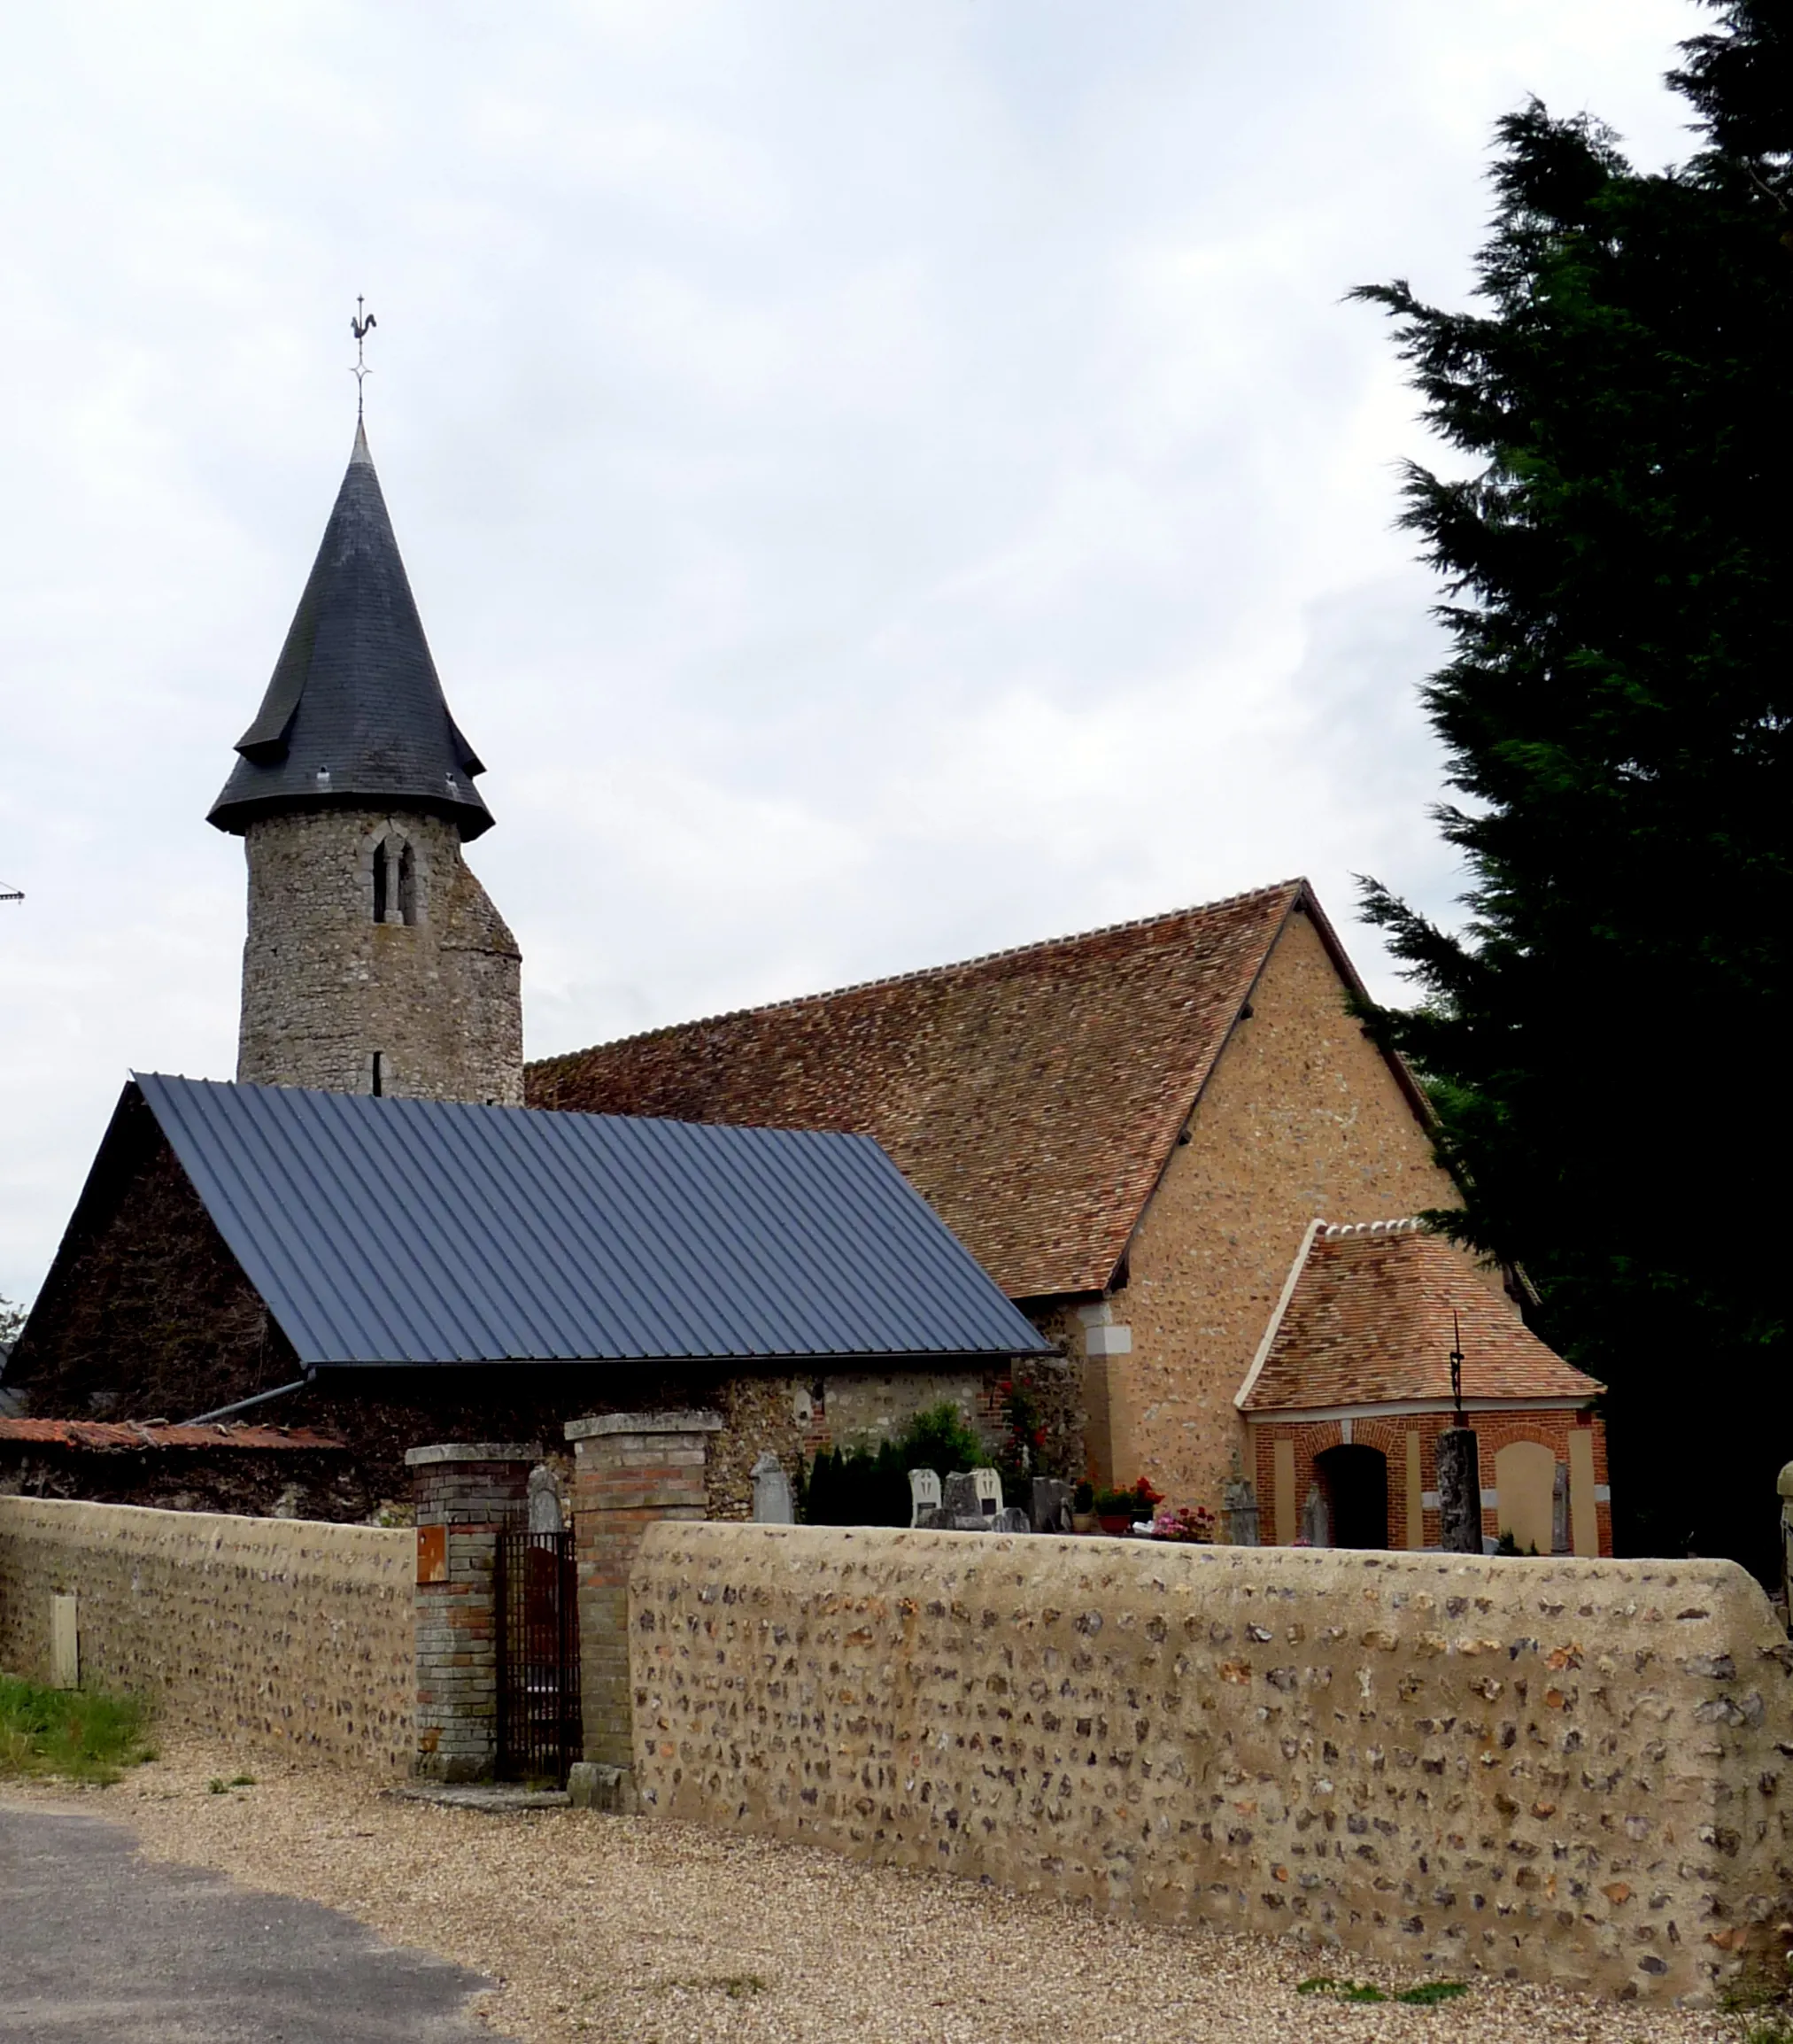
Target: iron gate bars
{"points": [[537, 1596]]}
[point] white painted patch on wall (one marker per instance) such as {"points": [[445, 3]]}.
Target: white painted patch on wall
{"points": [[65, 1640]]}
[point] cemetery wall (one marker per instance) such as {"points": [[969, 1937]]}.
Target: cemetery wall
{"points": [[288, 1634], [1554, 1770]]}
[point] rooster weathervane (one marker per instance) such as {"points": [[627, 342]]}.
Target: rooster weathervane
{"points": [[360, 326]]}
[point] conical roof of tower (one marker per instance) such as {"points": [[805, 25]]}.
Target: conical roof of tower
{"points": [[355, 712]]}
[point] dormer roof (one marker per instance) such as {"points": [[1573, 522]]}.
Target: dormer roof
{"points": [[355, 712]]}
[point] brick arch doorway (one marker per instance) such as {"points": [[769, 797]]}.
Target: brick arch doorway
{"points": [[1356, 1479]]}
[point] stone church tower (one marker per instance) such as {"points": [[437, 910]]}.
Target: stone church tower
{"points": [[374, 962]]}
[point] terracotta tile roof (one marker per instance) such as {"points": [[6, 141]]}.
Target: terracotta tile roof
{"points": [[1032, 1096], [110, 1435], [1366, 1320]]}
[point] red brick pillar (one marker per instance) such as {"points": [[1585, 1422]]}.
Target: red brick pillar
{"points": [[629, 1470], [467, 1493]]}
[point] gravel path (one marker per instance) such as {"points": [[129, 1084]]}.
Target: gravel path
{"points": [[625, 1930]]}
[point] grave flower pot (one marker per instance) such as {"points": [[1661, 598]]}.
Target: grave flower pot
{"points": [[1118, 1524]]}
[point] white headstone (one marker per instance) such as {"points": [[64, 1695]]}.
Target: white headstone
{"points": [[544, 1501], [989, 1486], [924, 1494], [772, 1504]]}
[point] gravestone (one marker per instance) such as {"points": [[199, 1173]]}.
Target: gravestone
{"points": [[1013, 1519], [772, 1500], [1560, 1511], [959, 1499], [924, 1494], [989, 1491], [1316, 1519], [1051, 1502], [1459, 1491], [1239, 1513], [544, 1501]]}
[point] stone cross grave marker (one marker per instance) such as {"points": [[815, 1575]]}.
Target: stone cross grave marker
{"points": [[989, 1486]]}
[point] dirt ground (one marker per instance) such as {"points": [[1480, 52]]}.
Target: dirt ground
{"points": [[629, 1930]]}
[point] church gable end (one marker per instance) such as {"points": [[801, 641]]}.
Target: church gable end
{"points": [[146, 1313], [1301, 1115]]}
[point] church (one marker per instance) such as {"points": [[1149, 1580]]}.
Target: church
{"points": [[1110, 1191]]}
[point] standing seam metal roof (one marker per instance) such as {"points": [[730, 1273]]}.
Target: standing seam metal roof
{"points": [[395, 1231]]}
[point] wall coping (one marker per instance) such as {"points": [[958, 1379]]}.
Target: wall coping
{"points": [[602, 1423], [473, 1451]]}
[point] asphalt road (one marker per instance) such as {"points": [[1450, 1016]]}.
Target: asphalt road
{"points": [[99, 1946]]}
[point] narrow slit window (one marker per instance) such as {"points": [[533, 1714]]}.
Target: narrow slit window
{"points": [[380, 883], [408, 886], [375, 1075]]}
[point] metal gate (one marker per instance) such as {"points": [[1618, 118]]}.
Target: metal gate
{"points": [[536, 1595]]}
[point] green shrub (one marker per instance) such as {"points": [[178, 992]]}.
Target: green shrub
{"points": [[867, 1486], [78, 1733]]}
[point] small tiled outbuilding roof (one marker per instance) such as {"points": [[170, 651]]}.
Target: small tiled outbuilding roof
{"points": [[1032, 1096], [112, 1437], [1366, 1319]]}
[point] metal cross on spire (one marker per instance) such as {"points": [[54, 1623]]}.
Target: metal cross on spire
{"points": [[360, 326]]}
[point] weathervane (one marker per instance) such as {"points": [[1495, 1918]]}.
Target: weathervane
{"points": [[360, 326], [1457, 1365]]}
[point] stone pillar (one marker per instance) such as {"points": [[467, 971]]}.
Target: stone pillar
{"points": [[629, 1470], [467, 1493], [1459, 1491]]}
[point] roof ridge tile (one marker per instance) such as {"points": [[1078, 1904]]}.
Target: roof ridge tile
{"points": [[918, 972]]}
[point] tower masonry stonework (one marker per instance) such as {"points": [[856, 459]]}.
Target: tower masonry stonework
{"points": [[355, 984], [374, 963]]}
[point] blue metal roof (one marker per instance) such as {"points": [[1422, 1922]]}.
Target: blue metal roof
{"points": [[383, 1232]]}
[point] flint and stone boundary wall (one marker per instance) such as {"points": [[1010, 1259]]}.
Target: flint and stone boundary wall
{"points": [[1558, 1770], [287, 1634]]}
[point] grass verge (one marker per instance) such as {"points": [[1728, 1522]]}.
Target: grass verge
{"points": [[1428, 1994], [78, 1734]]}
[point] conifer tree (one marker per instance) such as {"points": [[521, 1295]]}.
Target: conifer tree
{"points": [[1608, 1040]]}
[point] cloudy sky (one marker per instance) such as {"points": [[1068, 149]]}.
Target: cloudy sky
{"points": [[883, 479]]}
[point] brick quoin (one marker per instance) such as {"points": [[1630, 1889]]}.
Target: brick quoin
{"points": [[466, 1494], [630, 1471]]}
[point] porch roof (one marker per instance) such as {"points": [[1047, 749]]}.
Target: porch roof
{"points": [[1369, 1316]]}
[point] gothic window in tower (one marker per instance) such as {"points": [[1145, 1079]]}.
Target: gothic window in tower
{"points": [[395, 882]]}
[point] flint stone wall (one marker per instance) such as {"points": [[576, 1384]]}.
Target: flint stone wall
{"points": [[1556, 1770], [287, 1634]]}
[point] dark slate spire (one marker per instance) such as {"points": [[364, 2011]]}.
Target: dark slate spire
{"points": [[354, 712]]}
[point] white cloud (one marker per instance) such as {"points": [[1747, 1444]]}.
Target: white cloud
{"points": [[882, 482]]}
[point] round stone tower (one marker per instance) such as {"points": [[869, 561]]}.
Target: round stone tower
{"points": [[374, 962]]}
